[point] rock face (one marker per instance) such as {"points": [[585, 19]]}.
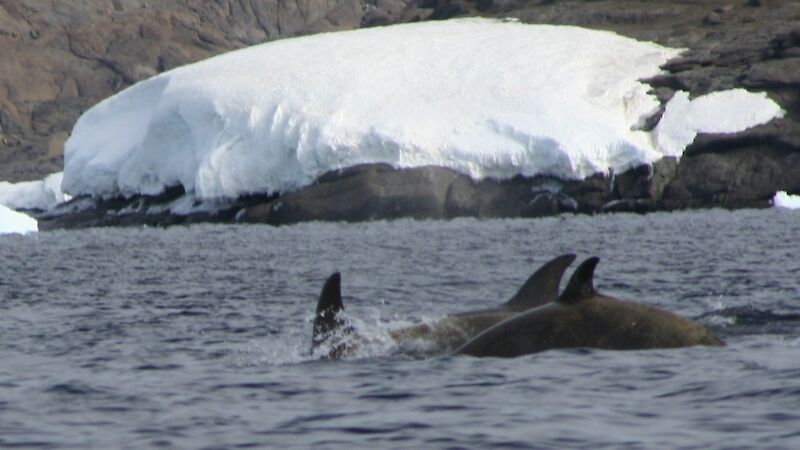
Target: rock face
{"points": [[380, 192], [62, 57]]}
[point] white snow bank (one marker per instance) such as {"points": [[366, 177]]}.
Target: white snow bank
{"points": [[15, 222], [43, 194], [783, 200], [487, 98], [717, 112]]}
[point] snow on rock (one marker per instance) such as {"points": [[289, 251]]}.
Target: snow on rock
{"points": [[783, 200], [484, 97], [718, 112], [43, 194], [15, 222]]}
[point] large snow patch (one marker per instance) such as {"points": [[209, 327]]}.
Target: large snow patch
{"points": [[484, 97], [15, 222]]}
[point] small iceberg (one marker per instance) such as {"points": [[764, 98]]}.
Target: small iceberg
{"points": [[16, 222], [783, 200]]}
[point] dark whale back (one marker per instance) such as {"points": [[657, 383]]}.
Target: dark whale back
{"points": [[454, 330], [584, 318]]}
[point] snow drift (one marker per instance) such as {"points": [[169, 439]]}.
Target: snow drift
{"points": [[484, 97]]}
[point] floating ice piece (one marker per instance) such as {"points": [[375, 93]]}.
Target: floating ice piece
{"points": [[16, 222], [783, 200]]}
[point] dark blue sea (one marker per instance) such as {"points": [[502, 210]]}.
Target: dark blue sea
{"points": [[198, 337]]}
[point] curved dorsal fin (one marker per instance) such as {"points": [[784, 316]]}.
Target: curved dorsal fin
{"points": [[580, 285], [330, 304], [330, 299], [542, 286]]}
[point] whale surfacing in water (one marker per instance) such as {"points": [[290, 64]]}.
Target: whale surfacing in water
{"points": [[582, 317], [333, 333], [330, 327], [453, 330]]}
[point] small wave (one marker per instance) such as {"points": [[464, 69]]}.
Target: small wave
{"points": [[26, 444], [400, 427], [764, 393], [71, 389], [388, 396], [748, 320], [159, 367]]}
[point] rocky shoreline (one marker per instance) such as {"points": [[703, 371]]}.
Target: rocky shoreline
{"points": [[380, 192], [751, 44]]}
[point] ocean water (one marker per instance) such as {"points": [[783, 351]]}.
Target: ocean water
{"points": [[198, 337]]}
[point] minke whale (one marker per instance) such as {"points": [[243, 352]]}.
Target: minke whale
{"points": [[583, 318], [337, 337]]}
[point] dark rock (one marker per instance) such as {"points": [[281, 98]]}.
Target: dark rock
{"points": [[639, 206], [550, 204], [713, 18], [773, 73], [646, 182], [85, 211], [361, 193], [450, 9], [742, 177], [378, 192], [463, 198], [591, 193], [504, 198], [370, 192]]}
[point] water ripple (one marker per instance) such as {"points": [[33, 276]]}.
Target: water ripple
{"points": [[198, 336]]}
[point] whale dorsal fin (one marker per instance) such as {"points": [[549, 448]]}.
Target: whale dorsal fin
{"points": [[542, 286], [580, 285], [327, 318]]}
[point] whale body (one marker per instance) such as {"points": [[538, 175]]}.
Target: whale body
{"points": [[583, 318], [337, 335]]}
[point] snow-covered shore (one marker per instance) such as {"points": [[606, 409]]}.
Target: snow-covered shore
{"points": [[483, 97]]}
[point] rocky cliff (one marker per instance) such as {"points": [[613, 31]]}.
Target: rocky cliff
{"points": [[61, 57]]}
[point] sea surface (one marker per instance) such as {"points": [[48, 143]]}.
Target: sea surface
{"points": [[198, 337]]}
